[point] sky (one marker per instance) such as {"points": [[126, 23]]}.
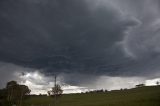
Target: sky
{"points": [[88, 44]]}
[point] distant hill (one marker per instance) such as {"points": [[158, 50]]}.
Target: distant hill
{"points": [[142, 96]]}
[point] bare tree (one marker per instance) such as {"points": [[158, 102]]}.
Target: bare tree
{"points": [[56, 91]]}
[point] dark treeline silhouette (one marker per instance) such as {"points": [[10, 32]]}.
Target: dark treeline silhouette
{"points": [[96, 91], [13, 94], [140, 85]]}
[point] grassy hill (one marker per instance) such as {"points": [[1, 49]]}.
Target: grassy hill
{"points": [[143, 96]]}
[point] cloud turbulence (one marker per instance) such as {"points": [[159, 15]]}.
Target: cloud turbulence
{"points": [[83, 38]]}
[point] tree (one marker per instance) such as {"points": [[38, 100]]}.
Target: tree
{"points": [[49, 93], [16, 92], [157, 82], [56, 90]]}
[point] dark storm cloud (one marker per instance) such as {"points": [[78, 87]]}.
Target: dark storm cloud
{"points": [[110, 37], [63, 36]]}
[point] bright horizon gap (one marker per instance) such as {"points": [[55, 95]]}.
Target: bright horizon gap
{"points": [[45, 83]]}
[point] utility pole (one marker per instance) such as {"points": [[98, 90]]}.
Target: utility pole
{"points": [[55, 85]]}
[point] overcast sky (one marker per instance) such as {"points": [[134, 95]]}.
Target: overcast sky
{"points": [[88, 44]]}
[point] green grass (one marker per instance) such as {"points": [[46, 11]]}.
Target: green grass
{"points": [[144, 96]]}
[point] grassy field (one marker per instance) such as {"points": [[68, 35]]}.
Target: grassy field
{"points": [[144, 96]]}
